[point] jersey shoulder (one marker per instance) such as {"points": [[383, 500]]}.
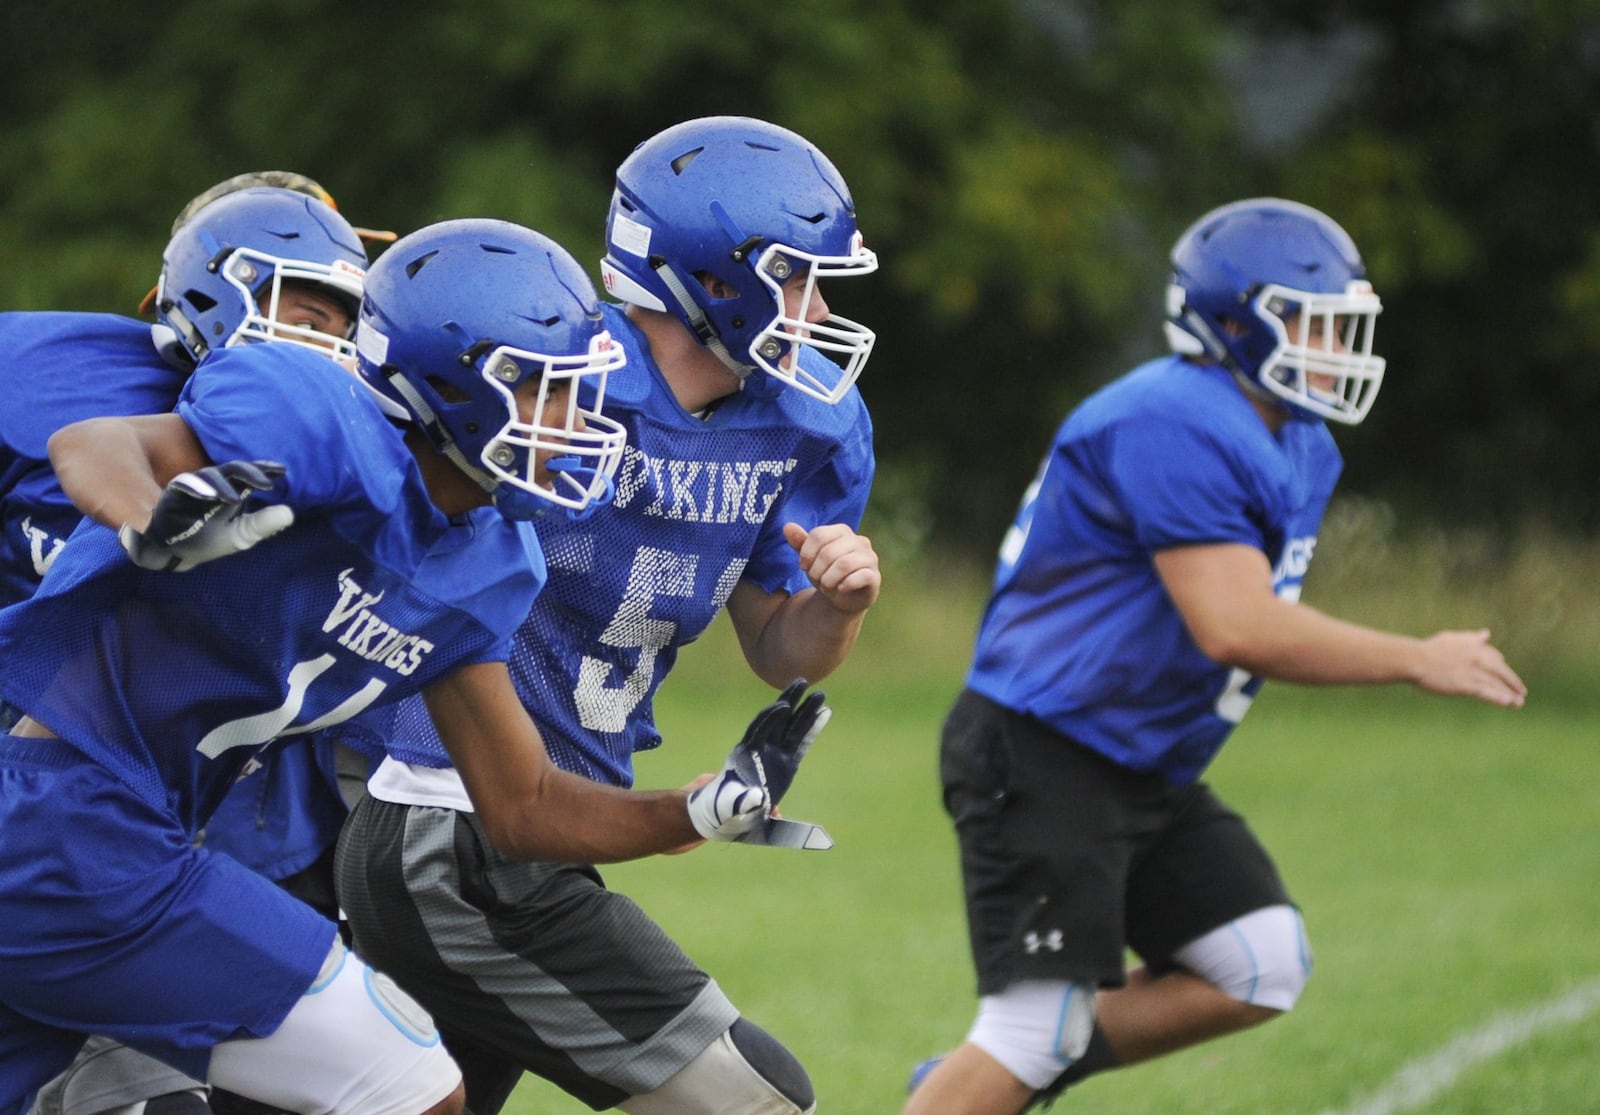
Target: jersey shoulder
{"points": [[290, 404], [57, 368]]}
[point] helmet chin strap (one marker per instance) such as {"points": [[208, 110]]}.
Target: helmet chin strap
{"points": [[185, 331], [438, 435], [1219, 352], [171, 347], [704, 331], [1250, 387]]}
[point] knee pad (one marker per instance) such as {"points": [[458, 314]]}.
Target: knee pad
{"points": [[354, 1043], [746, 1071], [1036, 1028], [1262, 958]]}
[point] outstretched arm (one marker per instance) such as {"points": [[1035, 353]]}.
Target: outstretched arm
{"points": [[531, 809], [149, 477], [1224, 593], [113, 469], [810, 633]]}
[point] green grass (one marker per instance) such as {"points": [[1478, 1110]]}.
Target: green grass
{"points": [[1445, 854]]}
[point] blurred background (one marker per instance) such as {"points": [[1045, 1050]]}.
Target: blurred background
{"points": [[1022, 168]]}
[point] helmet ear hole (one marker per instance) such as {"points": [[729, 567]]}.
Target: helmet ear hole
{"points": [[447, 391]]}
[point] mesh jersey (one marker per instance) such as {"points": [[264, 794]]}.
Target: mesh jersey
{"points": [[173, 681], [700, 504], [1079, 631], [288, 813], [56, 369]]}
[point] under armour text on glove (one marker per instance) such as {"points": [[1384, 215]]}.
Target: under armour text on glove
{"points": [[201, 516]]}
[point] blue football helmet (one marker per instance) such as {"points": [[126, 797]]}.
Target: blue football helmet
{"points": [[458, 316], [752, 205], [1276, 292], [223, 271]]}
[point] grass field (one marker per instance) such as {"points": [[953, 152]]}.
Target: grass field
{"points": [[1445, 854]]}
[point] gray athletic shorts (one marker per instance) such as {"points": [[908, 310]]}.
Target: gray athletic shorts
{"points": [[536, 962], [1068, 859], [107, 1075]]}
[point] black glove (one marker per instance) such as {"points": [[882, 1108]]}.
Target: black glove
{"points": [[762, 766], [200, 517]]}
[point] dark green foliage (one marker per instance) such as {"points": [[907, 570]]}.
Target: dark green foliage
{"points": [[1021, 168]]}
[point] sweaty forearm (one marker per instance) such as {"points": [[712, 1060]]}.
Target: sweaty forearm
{"points": [[805, 636], [571, 819]]}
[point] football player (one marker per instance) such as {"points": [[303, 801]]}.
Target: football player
{"points": [[747, 470], [292, 544], [294, 274], [1147, 586]]}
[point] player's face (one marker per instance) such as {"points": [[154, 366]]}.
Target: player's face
{"points": [[1320, 336], [553, 414], [798, 307], [306, 306]]}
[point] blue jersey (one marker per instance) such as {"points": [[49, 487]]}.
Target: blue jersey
{"points": [[700, 505], [60, 368], [173, 681], [1079, 631], [56, 369]]}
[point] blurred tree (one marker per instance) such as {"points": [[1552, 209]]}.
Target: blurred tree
{"points": [[1463, 156], [1020, 167]]}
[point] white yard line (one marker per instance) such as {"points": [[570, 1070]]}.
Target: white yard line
{"points": [[1429, 1076]]}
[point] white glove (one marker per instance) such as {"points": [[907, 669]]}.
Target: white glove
{"points": [[726, 807], [201, 517]]}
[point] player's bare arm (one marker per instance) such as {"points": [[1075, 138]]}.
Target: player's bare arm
{"points": [[1224, 593], [530, 808], [114, 469], [810, 633]]}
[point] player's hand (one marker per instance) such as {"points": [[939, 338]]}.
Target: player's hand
{"points": [[1466, 664], [840, 563], [201, 516], [762, 766]]}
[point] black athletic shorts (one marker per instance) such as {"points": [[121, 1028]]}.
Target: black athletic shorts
{"points": [[535, 965], [1068, 859]]}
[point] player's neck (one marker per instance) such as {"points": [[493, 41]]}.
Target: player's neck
{"points": [[697, 378], [1271, 411], [452, 491]]}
